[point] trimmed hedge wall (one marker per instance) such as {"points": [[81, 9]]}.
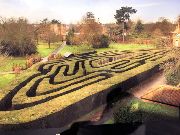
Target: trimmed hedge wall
{"points": [[55, 93]]}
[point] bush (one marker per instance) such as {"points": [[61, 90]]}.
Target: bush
{"points": [[172, 68], [21, 48], [32, 60], [163, 42], [127, 111], [17, 38], [100, 41], [75, 40]]}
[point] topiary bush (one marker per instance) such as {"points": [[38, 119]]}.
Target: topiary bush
{"points": [[100, 41]]}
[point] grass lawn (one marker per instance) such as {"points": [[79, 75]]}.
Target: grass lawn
{"points": [[6, 66], [135, 110], [44, 50], [113, 46], [6, 78], [76, 49], [8, 62]]}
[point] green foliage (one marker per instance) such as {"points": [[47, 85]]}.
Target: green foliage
{"points": [[100, 41], [17, 38], [131, 110], [128, 114], [139, 27], [70, 36], [172, 67], [79, 80], [173, 78], [123, 14], [54, 21]]}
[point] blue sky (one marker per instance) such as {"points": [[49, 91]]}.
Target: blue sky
{"points": [[71, 11]]}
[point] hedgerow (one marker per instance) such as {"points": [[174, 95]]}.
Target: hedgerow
{"points": [[47, 89]]}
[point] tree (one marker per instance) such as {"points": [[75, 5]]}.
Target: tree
{"points": [[54, 21], [16, 37], [164, 25], [139, 27], [47, 33], [157, 33], [70, 36], [89, 28], [123, 16], [90, 15], [178, 20]]}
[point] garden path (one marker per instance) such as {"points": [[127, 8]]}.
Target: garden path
{"points": [[56, 51]]}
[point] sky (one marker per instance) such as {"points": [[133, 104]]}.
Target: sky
{"points": [[71, 11]]}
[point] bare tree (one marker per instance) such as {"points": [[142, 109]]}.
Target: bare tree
{"points": [[17, 37], [47, 33], [89, 28]]}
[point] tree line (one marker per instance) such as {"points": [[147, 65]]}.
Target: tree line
{"points": [[18, 37]]}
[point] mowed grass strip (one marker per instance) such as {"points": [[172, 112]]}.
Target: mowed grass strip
{"points": [[113, 46], [44, 50]]}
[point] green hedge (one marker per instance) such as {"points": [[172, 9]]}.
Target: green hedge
{"points": [[131, 109], [49, 88]]}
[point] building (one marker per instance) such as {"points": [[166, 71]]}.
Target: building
{"points": [[60, 29], [176, 36]]}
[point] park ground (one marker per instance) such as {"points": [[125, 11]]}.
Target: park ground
{"points": [[43, 50]]}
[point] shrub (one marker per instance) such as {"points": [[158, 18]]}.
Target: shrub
{"points": [[54, 56], [17, 68], [127, 113], [75, 40], [100, 41], [172, 68], [19, 48], [32, 60], [163, 42], [17, 38]]}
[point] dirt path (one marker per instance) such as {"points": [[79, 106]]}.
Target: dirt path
{"points": [[145, 86]]}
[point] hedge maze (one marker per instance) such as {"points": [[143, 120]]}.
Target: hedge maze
{"points": [[62, 90]]}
